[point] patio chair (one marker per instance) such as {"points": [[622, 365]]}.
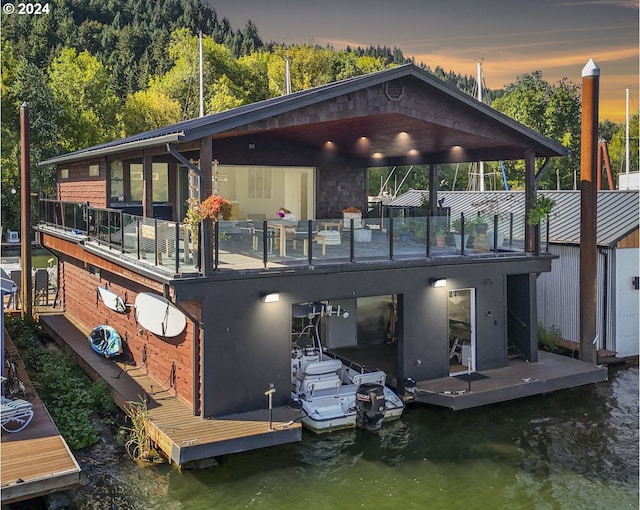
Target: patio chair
{"points": [[15, 414], [301, 233]]}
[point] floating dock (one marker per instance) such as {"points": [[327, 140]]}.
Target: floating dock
{"points": [[35, 461], [181, 436]]}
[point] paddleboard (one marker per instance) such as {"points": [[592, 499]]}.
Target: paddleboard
{"points": [[154, 313], [112, 300]]}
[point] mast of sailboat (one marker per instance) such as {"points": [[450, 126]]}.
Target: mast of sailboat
{"points": [[626, 139], [481, 163], [287, 77], [200, 74]]}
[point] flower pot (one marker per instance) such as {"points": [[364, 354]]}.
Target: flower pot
{"points": [[457, 238], [481, 228]]}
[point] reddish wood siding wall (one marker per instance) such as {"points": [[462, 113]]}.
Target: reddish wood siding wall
{"points": [[80, 300], [80, 187]]}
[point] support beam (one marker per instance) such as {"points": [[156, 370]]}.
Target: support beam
{"points": [[147, 186], [433, 187], [206, 166], [531, 237], [588, 218]]}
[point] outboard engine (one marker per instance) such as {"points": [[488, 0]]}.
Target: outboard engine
{"points": [[370, 406]]}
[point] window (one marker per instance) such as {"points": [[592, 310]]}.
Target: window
{"points": [[135, 182], [117, 181], [94, 170], [259, 182], [64, 173]]}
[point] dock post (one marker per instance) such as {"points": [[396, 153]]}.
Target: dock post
{"points": [[269, 393]]}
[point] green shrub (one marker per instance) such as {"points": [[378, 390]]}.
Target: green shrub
{"points": [[549, 340], [69, 394]]}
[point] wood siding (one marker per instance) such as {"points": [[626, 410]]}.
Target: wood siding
{"points": [[80, 187], [80, 299]]}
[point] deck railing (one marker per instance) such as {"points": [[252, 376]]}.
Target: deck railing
{"points": [[264, 244]]}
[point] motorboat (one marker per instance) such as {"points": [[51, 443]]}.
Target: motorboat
{"points": [[332, 396]]}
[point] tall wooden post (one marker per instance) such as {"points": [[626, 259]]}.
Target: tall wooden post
{"points": [[25, 206], [588, 209]]}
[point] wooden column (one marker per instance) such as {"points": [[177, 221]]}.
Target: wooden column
{"points": [[588, 218], [147, 186], [206, 166], [531, 239], [433, 187], [25, 206]]}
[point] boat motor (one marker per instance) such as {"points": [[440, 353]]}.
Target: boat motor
{"points": [[370, 404]]}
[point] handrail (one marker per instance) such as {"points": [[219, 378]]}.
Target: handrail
{"points": [[167, 246]]}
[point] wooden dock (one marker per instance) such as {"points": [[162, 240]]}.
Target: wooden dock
{"points": [[35, 461], [180, 435]]}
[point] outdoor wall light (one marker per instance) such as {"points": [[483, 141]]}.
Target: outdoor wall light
{"points": [[438, 282], [270, 297]]}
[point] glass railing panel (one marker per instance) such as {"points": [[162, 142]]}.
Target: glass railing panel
{"points": [[236, 244], [371, 242]]}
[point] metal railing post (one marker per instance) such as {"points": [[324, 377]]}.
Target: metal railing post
{"points": [[264, 243], [121, 232], [176, 247], [352, 244], [495, 233], [138, 236], [462, 243], [216, 244], [310, 242], [390, 237]]}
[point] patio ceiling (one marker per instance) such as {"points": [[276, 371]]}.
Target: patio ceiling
{"points": [[390, 138]]}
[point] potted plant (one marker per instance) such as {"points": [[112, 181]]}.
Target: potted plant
{"points": [[540, 210], [456, 226], [479, 225], [214, 207], [441, 237]]}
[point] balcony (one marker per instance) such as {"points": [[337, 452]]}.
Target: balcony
{"points": [[172, 250]]}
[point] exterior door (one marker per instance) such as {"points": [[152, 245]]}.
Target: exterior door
{"points": [[462, 338]]}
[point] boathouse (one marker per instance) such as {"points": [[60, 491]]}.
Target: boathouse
{"points": [[418, 309]]}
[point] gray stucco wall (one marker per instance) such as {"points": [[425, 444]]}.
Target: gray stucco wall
{"points": [[247, 342]]}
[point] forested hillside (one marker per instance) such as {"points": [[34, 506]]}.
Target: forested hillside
{"points": [[96, 70]]}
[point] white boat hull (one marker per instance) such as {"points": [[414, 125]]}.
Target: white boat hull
{"points": [[325, 390]]}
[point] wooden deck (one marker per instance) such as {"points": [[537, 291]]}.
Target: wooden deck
{"points": [[180, 435], [35, 461], [519, 379]]}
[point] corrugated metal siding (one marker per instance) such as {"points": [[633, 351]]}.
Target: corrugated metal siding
{"points": [[558, 294], [618, 211]]}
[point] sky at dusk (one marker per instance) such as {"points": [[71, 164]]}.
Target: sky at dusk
{"points": [[511, 37]]}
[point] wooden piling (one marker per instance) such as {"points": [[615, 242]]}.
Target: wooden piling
{"points": [[588, 178]]}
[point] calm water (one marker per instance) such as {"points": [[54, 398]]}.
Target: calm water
{"points": [[575, 449]]}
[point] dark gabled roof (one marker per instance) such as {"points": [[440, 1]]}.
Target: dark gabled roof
{"points": [[618, 210], [217, 123]]}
